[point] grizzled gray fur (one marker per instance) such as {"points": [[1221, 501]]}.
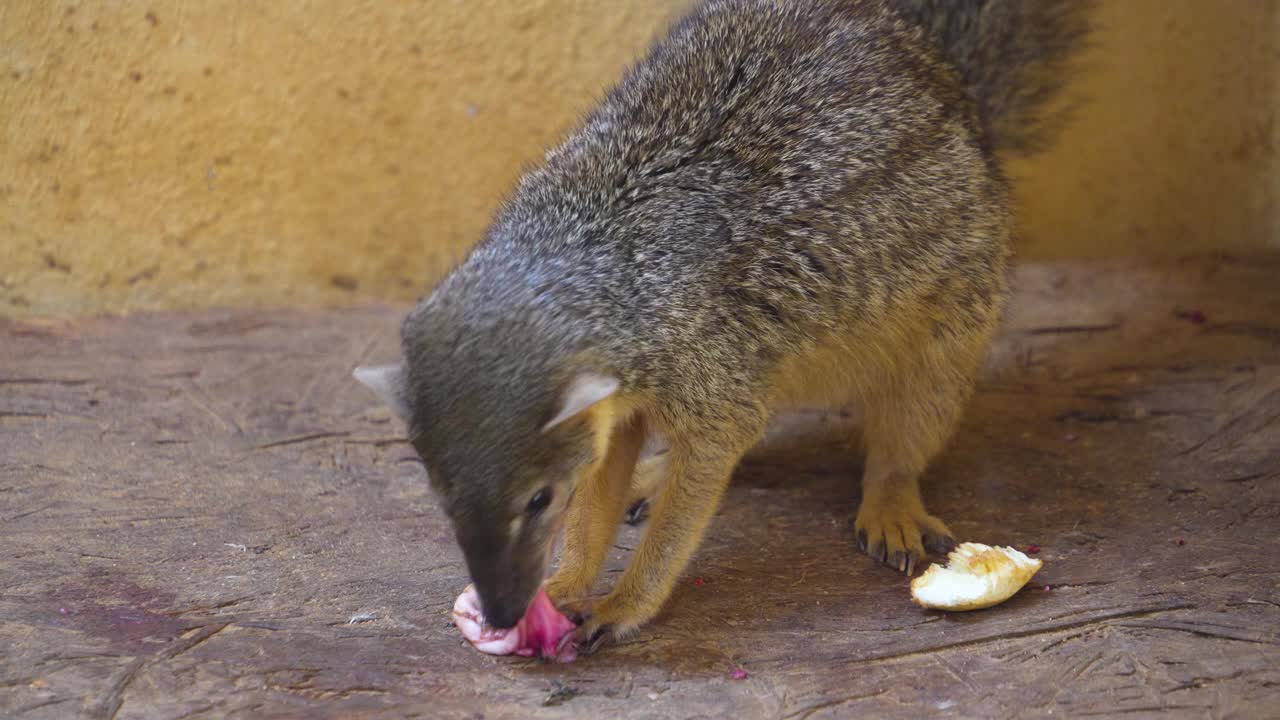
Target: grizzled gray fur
{"points": [[784, 202]]}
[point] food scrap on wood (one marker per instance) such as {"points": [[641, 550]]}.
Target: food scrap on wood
{"points": [[560, 694], [543, 632], [1194, 317], [976, 576]]}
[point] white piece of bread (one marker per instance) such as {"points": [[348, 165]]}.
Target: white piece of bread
{"points": [[976, 576]]}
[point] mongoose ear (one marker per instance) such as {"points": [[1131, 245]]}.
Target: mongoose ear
{"points": [[586, 390], [389, 383]]}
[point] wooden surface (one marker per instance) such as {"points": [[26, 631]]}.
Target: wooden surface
{"points": [[203, 516]]}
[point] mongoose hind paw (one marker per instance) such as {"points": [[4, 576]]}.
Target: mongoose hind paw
{"points": [[899, 538]]}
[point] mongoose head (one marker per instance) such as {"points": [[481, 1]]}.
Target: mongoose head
{"points": [[504, 433]]}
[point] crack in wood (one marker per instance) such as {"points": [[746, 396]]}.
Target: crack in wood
{"points": [[377, 442], [973, 642], [1162, 708], [44, 381], [310, 437], [28, 513], [1205, 630], [44, 704], [807, 712], [109, 706], [21, 414], [1072, 329]]}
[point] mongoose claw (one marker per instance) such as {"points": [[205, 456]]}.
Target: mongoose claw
{"points": [[876, 548], [603, 623], [638, 513], [592, 635], [939, 543], [601, 637], [904, 561]]}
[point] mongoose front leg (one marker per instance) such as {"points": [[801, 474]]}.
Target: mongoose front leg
{"points": [[678, 517], [592, 518]]}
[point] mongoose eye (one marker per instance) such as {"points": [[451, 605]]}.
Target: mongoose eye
{"points": [[539, 502]]}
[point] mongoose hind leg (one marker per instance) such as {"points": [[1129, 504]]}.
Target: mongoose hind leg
{"points": [[908, 421]]}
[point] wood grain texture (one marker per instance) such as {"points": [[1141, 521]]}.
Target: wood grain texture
{"points": [[201, 515]]}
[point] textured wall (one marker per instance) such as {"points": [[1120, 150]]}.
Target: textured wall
{"points": [[1178, 147], [174, 154]]}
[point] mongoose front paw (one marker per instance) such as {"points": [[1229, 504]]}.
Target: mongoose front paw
{"points": [[898, 537], [565, 590], [577, 609], [602, 624]]}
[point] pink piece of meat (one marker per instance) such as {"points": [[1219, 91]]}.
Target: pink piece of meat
{"points": [[539, 632]]}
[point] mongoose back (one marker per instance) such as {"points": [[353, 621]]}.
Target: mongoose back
{"points": [[785, 202]]}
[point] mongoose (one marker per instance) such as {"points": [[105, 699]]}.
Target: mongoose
{"points": [[784, 202]]}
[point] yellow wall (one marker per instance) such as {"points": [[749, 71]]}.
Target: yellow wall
{"points": [[1178, 146], [170, 153]]}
